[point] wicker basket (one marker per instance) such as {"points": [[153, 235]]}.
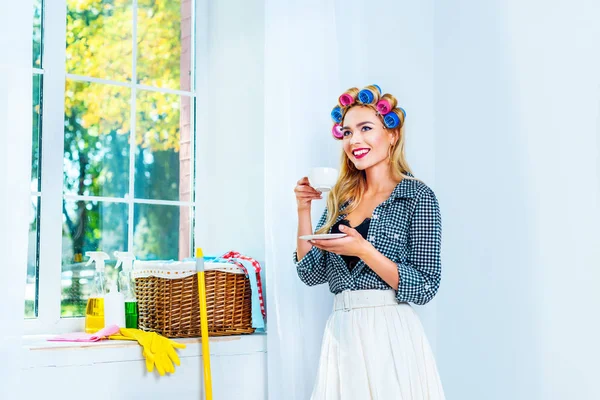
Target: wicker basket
{"points": [[170, 307]]}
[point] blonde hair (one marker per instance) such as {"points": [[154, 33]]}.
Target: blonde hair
{"points": [[352, 182]]}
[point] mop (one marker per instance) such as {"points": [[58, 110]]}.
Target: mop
{"points": [[204, 323]]}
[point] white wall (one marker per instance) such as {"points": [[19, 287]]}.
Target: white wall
{"points": [[300, 78], [15, 170], [314, 51], [116, 370], [230, 128], [516, 113], [234, 377], [400, 59]]}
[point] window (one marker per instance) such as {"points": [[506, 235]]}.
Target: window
{"points": [[38, 74], [114, 167]]}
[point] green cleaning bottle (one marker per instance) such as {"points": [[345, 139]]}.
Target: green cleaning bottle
{"points": [[94, 311], [127, 287]]}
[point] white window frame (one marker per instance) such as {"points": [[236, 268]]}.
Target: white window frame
{"points": [[52, 146]]}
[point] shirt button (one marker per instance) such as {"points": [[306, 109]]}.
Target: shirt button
{"points": [[375, 216], [396, 236], [372, 239], [427, 286]]}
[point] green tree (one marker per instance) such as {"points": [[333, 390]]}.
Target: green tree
{"points": [[98, 125]]}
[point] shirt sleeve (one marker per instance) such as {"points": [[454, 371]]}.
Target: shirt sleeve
{"points": [[311, 268], [420, 276]]}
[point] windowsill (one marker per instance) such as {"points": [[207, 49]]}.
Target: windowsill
{"points": [[40, 353]]}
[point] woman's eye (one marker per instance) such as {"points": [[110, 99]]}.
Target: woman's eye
{"points": [[347, 133], [366, 128]]}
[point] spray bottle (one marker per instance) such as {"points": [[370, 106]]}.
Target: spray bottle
{"points": [[114, 307], [126, 283], [94, 313]]}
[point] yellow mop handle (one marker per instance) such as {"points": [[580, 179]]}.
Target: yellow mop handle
{"points": [[204, 323]]}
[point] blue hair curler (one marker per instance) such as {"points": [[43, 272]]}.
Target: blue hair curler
{"points": [[366, 96], [378, 88], [336, 115], [391, 120]]}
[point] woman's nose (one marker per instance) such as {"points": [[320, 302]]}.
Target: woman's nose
{"points": [[356, 138]]}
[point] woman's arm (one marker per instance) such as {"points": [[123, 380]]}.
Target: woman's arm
{"points": [[304, 228], [380, 264], [310, 261], [416, 281], [311, 266]]}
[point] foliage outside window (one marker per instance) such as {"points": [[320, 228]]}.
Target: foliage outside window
{"points": [[128, 140]]}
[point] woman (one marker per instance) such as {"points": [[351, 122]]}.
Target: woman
{"points": [[374, 346]]}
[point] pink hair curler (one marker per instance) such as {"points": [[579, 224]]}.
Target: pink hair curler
{"points": [[346, 99], [383, 106], [336, 131]]}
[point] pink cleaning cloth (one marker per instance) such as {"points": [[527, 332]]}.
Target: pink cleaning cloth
{"points": [[86, 337]]}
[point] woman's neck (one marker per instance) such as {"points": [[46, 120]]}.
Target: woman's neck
{"points": [[380, 179]]}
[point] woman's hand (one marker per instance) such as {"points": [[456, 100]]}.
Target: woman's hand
{"points": [[305, 194], [352, 245]]}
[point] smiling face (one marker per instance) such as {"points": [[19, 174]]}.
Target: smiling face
{"points": [[366, 141]]}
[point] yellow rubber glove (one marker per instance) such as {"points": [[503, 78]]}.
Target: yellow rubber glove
{"points": [[143, 338], [158, 350], [164, 353]]}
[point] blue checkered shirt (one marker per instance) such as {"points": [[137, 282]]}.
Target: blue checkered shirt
{"points": [[407, 229]]}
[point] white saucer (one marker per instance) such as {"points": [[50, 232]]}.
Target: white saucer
{"points": [[323, 236]]}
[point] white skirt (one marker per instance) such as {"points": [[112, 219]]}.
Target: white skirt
{"points": [[375, 348]]}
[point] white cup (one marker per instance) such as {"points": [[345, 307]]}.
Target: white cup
{"points": [[322, 178]]}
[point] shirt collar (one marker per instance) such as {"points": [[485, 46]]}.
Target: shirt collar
{"points": [[407, 188]]}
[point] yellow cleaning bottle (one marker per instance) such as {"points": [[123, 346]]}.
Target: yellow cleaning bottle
{"points": [[94, 312]]}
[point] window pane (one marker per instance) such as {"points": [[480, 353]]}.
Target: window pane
{"points": [[165, 43], [31, 285], [37, 133], [99, 40], [37, 32], [96, 159], [162, 232], [88, 226], [163, 165]]}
